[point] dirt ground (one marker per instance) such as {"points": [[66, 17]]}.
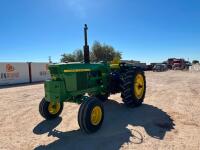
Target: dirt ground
{"points": [[168, 119]]}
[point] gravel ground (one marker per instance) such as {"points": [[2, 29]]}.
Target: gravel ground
{"points": [[168, 119]]}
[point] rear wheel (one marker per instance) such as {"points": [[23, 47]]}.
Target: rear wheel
{"points": [[48, 110], [133, 87], [91, 115]]}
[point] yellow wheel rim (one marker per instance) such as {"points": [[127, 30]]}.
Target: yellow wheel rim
{"points": [[96, 115], [139, 86], [54, 108]]}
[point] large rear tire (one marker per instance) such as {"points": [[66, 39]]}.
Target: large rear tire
{"points": [[133, 87], [91, 115], [48, 110]]}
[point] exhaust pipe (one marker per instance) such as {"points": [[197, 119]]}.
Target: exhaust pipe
{"points": [[86, 47]]}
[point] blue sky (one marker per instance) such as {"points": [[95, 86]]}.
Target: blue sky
{"points": [[145, 30]]}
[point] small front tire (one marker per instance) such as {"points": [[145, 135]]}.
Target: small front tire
{"points": [[48, 110], [91, 115]]}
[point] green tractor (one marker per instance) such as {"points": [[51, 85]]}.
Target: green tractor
{"points": [[90, 84]]}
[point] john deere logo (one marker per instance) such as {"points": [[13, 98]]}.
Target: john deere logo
{"points": [[10, 73], [9, 68]]}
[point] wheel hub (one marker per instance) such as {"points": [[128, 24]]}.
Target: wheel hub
{"points": [[96, 115], [139, 86], [54, 108]]}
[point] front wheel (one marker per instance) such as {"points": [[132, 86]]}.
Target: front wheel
{"points": [[48, 110], [91, 115]]}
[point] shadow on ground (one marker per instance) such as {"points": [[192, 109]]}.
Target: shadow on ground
{"points": [[114, 132], [19, 85], [47, 126]]}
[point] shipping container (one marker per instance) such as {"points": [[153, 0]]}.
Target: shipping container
{"points": [[13, 73], [39, 72]]}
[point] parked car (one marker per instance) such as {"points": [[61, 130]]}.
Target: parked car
{"points": [[160, 67]]}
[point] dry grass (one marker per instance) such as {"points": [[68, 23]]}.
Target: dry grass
{"points": [[168, 119]]}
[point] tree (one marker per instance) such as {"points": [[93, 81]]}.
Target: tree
{"points": [[67, 58], [78, 54], [99, 52], [195, 62], [104, 52]]}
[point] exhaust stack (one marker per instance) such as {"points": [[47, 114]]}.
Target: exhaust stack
{"points": [[86, 47]]}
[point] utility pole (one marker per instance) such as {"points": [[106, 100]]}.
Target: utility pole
{"points": [[50, 60]]}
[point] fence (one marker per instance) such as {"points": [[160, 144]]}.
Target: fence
{"points": [[14, 73]]}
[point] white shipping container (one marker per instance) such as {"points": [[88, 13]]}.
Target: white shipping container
{"points": [[39, 72], [13, 73]]}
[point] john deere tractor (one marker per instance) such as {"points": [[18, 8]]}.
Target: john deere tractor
{"points": [[90, 84]]}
